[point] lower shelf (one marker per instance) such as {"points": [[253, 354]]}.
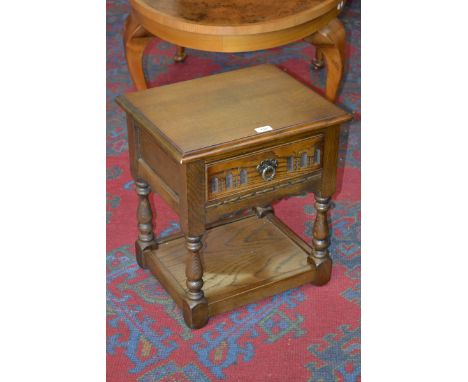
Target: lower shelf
{"points": [[243, 262]]}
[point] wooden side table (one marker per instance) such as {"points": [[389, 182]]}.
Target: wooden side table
{"points": [[219, 144], [237, 26]]}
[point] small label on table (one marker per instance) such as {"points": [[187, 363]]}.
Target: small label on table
{"points": [[263, 129]]}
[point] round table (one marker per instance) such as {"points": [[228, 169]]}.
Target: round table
{"points": [[237, 26]]}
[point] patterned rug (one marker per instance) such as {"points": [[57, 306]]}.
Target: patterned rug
{"points": [[305, 334]]}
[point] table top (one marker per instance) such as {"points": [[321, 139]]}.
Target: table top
{"points": [[216, 113], [234, 16]]}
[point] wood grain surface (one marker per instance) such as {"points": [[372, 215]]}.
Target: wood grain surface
{"points": [[239, 258], [225, 108], [236, 26], [229, 38], [227, 16], [246, 165]]}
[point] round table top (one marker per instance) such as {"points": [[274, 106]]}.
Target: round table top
{"points": [[234, 16]]}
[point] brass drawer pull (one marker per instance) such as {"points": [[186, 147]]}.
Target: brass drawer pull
{"points": [[267, 169]]}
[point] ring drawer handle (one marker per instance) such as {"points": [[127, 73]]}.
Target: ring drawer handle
{"points": [[267, 169]]}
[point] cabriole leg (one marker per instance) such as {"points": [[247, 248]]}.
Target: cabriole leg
{"points": [[136, 38], [330, 41]]}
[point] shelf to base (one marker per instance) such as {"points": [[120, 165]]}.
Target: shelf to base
{"points": [[244, 261]]}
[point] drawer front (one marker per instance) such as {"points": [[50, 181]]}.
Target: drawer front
{"points": [[244, 173]]}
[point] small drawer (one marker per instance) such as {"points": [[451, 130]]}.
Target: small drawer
{"points": [[264, 168]]}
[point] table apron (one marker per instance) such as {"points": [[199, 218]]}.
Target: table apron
{"points": [[235, 42]]}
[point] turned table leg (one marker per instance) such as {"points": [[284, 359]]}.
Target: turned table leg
{"points": [[136, 38], [330, 43], [195, 306], [192, 223], [146, 239], [321, 241], [180, 55]]}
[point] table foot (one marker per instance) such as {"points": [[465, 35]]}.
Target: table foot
{"points": [[323, 273], [331, 42], [146, 238], [136, 38], [195, 313], [180, 55], [317, 62], [320, 255]]}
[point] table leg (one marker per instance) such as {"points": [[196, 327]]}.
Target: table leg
{"points": [[195, 306], [136, 38], [331, 43], [263, 211], [180, 55], [317, 62], [146, 238], [321, 241], [192, 223]]}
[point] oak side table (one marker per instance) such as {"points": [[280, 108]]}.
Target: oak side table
{"points": [[221, 144]]}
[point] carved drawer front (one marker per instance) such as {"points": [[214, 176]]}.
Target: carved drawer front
{"points": [[264, 168]]}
